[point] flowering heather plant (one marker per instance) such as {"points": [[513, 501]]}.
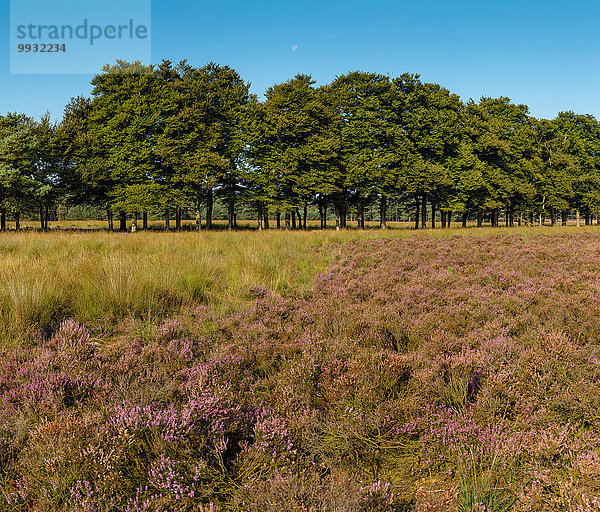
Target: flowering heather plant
{"points": [[421, 374]]}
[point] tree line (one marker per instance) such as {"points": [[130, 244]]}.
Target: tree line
{"points": [[175, 138]]}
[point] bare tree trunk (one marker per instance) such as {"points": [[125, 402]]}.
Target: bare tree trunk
{"points": [[432, 215], [178, 218], [122, 221], [443, 214], [167, 219], [134, 222], [564, 216], [109, 216], [209, 209], [578, 217], [305, 215], [18, 221], [230, 214], [294, 218], [479, 216], [278, 217], [424, 212], [266, 218], [418, 213], [361, 217], [259, 216], [198, 216], [2, 220], [464, 219], [448, 219], [145, 220], [382, 212], [287, 220], [42, 218], [325, 216]]}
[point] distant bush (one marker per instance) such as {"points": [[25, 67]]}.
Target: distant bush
{"points": [[85, 212]]}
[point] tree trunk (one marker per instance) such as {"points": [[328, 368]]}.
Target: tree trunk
{"points": [[305, 215], [230, 212], [325, 216], [2, 220], [287, 220], [448, 219], [259, 216], [167, 219], [578, 217], [42, 218], [18, 221], [432, 215], [552, 217], [122, 221], [343, 217], [198, 216], [337, 218], [418, 213], [443, 214], [134, 222], [511, 214], [209, 209], [321, 214], [145, 220], [109, 216], [361, 217], [383, 212], [564, 217], [587, 218], [464, 219], [266, 218], [479, 217], [424, 212], [294, 218], [178, 218], [278, 216]]}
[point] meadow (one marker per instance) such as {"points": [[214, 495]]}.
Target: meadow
{"points": [[396, 370]]}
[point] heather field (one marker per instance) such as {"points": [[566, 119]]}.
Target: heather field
{"points": [[336, 371]]}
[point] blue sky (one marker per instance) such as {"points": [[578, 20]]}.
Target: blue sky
{"points": [[541, 53]]}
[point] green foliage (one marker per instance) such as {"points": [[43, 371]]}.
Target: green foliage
{"points": [[176, 138]]}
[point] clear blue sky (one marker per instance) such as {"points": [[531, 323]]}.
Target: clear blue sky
{"points": [[542, 53]]}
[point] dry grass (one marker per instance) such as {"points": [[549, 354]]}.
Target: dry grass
{"points": [[99, 277]]}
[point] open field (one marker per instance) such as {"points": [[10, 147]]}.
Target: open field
{"points": [[305, 371], [100, 278]]}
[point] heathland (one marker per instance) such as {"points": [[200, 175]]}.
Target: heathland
{"points": [[301, 371]]}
